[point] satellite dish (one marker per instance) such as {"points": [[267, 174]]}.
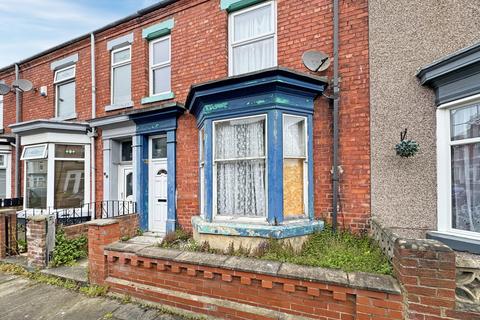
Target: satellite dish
{"points": [[4, 89], [22, 84], [316, 60]]}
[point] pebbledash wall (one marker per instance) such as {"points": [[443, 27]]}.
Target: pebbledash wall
{"points": [[199, 54], [404, 191]]}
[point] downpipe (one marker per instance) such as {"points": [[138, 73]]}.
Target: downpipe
{"points": [[336, 105], [92, 133]]}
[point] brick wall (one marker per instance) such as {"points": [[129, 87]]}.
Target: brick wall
{"points": [[37, 241], [236, 288], [199, 53], [426, 271]]}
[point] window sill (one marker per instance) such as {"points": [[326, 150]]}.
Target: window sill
{"points": [[118, 106], [244, 229], [160, 97], [70, 117], [455, 241]]}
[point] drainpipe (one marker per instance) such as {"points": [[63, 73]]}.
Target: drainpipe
{"points": [[18, 110], [336, 102], [92, 134]]}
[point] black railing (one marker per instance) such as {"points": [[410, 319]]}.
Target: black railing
{"points": [[11, 202], [72, 216]]}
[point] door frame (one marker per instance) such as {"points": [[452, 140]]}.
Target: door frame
{"points": [[151, 161]]}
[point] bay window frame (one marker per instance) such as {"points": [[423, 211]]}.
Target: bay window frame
{"points": [[51, 159], [215, 216], [444, 165], [113, 66], [232, 44], [305, 161]]}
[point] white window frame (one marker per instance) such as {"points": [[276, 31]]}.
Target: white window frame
{"points": [[50, 159], [258, 220], [7, 165], [231, 34], [117, 65], [153, 67], [44, 155], [59, 83], [305, 163], [444, 168]]}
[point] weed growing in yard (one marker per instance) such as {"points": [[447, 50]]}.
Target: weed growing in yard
{"points": [[94, 291], [68, 251], [341, 250]]}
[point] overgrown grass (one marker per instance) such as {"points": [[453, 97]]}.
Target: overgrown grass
{"points": [[342, 250]]}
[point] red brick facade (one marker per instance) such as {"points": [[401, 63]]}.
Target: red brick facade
{"points": [[199, 54]]}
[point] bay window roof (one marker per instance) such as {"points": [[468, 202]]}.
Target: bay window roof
{"points": [[281, 86]]}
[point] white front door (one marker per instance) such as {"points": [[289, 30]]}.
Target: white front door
{"points": [[157, 194], [125, 188]]}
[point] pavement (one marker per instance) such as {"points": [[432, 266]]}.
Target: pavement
{"points": [[22, 298]]}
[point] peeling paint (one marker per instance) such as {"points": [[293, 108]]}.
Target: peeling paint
{"points": [[257, 230]]}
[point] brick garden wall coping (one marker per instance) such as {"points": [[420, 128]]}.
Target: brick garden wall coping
{"points": [[357, 280]]}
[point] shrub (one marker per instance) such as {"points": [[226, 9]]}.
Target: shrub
{"points": [[68, 251]]}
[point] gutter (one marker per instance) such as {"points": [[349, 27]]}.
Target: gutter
{"points": [[336, 103]]}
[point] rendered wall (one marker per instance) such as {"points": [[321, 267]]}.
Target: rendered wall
{"points": [[404, 36]]}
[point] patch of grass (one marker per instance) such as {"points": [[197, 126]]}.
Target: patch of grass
{"points": [[342, 250], [108, 315]]}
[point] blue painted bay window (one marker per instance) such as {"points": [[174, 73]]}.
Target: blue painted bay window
{"points": [[256, 152]]}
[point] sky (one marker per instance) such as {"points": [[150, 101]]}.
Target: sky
{"points": [[28, 27]]}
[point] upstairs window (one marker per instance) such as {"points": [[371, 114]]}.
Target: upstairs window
{"points": [[65, 93], [160, 66], [252, 39], [121, 86]]}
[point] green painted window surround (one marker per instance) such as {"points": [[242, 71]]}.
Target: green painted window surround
{"points": [[160, 97], [234, 5], [158, 30]]}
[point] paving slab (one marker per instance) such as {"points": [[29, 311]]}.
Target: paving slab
{"points": [[22, 298], [77, 272]]}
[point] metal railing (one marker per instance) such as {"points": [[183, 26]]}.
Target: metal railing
{"points": [[11, 202], [71, 216]]}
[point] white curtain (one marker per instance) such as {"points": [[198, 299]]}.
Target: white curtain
{"points": [[254, 55], [239, 154], [294, 139], [466, 187]]}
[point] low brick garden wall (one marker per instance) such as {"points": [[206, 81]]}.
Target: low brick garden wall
{"points": [[234, 287], [429, 277], [129, 225]]}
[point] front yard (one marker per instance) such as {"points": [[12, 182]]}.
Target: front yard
{"points": [[342, 250]]}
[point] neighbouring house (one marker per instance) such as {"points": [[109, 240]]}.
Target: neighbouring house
{"points": [[424, 77], [204, 115]]}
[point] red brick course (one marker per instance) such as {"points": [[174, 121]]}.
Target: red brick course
{"points": [[426, 271], [200, 53], [229, 293]]}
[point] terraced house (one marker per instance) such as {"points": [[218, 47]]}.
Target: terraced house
{"points": [[203, 114]]}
